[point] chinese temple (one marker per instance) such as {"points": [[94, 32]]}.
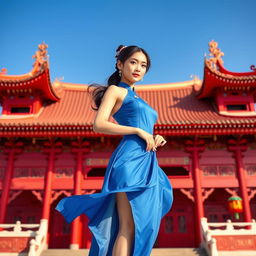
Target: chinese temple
{"points": [[49, 150]]}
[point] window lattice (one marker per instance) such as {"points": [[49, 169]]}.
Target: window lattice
{"points": [[62, 172], [218, 170], [33, 172], [251, 170]]}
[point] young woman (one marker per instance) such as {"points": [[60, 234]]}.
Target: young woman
{"points": [[125, 217]]}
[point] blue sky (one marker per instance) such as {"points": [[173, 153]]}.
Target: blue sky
{"points": [[82, 36]]}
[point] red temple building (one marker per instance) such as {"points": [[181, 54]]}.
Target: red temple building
{"points": [[49, 150]]}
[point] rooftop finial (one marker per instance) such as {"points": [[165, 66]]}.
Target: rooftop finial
{"points": [[3, 71], [216, 54], [41, 54]]}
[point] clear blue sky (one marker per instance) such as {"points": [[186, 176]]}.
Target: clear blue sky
{"points": [[82, 35]]}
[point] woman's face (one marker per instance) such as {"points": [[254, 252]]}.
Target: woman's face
{"points": [[134, 68]]}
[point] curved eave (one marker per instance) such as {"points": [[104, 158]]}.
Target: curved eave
{"points": [[37, 81], [37, 69], [227, 72], [215, 79]]}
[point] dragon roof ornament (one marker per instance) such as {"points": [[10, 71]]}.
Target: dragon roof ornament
{"points": [[41, 56], [215, 54]]}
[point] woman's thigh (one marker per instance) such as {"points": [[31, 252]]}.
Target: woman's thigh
{"points": [[124, 210]]}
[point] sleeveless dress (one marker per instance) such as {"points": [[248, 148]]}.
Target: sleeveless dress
{"points": [[131, 169]]}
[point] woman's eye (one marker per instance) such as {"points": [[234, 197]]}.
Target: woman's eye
{"points": [[133, 62]]}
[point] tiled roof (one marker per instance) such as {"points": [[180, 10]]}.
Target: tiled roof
{"points": [[179, 113], [224, 79], [38, 80]]}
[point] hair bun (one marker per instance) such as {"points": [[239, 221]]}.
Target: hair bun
{"points": [[119, 47]]}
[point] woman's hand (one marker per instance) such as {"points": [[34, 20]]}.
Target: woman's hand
{"points": [[148, 138], [159, 140]]}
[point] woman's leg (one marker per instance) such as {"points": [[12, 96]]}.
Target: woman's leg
{"points": [[125, 236]]}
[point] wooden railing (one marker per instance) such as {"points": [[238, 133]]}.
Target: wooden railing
{"points": [[17, 238], [212, 232]]}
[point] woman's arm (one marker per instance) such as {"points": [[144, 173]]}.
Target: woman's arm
{"points": [[101, 123]]}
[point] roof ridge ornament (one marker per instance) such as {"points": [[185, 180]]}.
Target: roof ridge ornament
{"points": [[41, 55], [253, 68], [215, 54], [3, 71]]}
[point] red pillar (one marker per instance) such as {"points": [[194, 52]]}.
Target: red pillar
{"points": [[87, 241], [76, 224], [79, 148], [11, 149], [238, 147], [51, 150], [195, 147]]}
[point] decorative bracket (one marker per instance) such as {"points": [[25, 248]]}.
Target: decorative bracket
{"points": [[13, 194], [38, 194], [57, 193], [88, 191], [232, 191], [188, 192], [251, 193], [206, 192]]}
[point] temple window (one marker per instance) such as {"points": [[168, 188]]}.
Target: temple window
{"points": [[168, 224], [182, 227], [31, 219], [17, 218], [236, 107], [66, 228], [15, 110], [21, 104], [176, 171], [235, 103], [96, 172]]}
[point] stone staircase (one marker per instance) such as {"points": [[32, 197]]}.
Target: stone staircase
{"points": [[155, 252], [237, 253]]}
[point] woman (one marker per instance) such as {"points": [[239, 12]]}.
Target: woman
{"points": [[125, 217]]}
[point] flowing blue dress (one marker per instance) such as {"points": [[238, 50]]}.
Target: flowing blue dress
{"points": [[131, 169]]}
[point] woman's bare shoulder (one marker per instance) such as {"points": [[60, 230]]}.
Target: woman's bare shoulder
{"points": [[113, 89]]}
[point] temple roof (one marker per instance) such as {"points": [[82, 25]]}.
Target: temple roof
{"points": [[217, 77], [38, 79], [179, 113], [182, 107]]}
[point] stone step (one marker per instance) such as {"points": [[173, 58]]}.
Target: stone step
{"points": [[237, 253], [155, 252]]}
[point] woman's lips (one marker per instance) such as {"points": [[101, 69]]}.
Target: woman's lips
{"points": [[135, 75]]}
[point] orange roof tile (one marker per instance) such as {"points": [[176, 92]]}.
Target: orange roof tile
{"points": [[179, 112]]}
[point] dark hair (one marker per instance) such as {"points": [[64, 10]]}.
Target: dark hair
{"points": [[114, 79]]}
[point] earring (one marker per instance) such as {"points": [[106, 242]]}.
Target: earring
{"points": [[120, 73]]}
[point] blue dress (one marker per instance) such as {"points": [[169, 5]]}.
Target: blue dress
{"points": [[131, 169]]}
